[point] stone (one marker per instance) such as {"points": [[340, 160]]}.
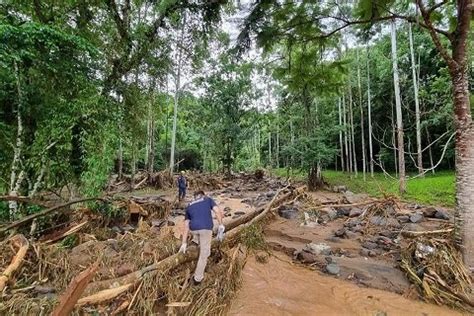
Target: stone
{"points": [[227, 210], [352, 198], [333, 269], [113, 243], [416, 218], [440, 214], [128, 228], [430, 212], [116, 229], [355, 211], [306, 257], [341, 233], [364, 252], [43, 289], [369, 245], [382, 240], [239, 213], [344, 211], [351, 235], [318, 249], [377, 220], [388, 233], [270, 194], [339, 188], [332, 213], [404, 218], [393, 222], [124, 269], [288, 214], [357, 229], [329, 259]]}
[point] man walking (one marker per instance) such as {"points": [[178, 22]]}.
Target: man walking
{"points": [[182, 185], [198, 219]]}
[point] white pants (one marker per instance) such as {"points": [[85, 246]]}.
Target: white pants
{"points": [[204, 238]]}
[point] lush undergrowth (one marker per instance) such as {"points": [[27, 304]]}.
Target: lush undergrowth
{"points": [[437, 189]]}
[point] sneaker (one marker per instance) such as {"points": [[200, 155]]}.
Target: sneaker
{"points": [[194, 282]]}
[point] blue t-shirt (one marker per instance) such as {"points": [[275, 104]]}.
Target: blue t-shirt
{"points": [[182, 182], [199, 213]]}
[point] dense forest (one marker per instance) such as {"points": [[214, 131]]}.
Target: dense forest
{"points": [[95, 88]]}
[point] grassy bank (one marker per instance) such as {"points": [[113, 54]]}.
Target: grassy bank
{"points": [[438, 189]]}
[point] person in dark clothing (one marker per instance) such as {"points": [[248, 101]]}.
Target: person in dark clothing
{"points": [[198, 221], [182, 185]]}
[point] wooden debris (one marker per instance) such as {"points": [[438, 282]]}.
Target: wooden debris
{"points": [[31, 217], [105, 295], [22, 244], [412, 234], [74, 291], [71, 231]]}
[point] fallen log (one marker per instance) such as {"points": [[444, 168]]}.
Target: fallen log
{"points": [[71, 231], [74, 291], [31, 217], [413, 234], [22, 199], [104, 292], [22, 243]]}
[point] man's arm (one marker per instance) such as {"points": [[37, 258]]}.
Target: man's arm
{"points": [[219, 214], [185, 232]]}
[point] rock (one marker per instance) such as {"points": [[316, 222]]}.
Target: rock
{"points": [[49, 296], [351, 235], [323, 219], [382, 240], [113, 243], [288, 214], [239, 213], [44, 289], [318, 249], [388, 233], [306, 257], [329, 259], [369, 245], [352, 198], [430, 212], [355, 211], [341, 233], [116, 229], [440, 214], [339, 188], [393, 222], [377, 220], [344, 211], [357, 229], [124, 269], [333, 269], [247, 201], [330, 212], [404, 218], [416, 218], [390, 210], [128, 228], [270, 194], [227, 210], [364, 252]]}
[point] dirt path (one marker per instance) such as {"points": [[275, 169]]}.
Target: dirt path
{"points": [[280, 288]]}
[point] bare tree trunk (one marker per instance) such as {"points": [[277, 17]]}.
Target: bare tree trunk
{"points": [[150, 159], [133, 168], [362, 125], [346, 145], [428, 138], [394, 141], [354, 156], [341, 143], [176, 97], [270, 150], [369, 97], [417, 104], [120, 159], [398, 107], [17, 176], [277, 149]]}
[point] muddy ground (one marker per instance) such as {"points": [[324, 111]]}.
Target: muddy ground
{"points": [[329, 252]]}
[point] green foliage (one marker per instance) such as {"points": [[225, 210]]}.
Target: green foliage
{"points": [[252, 237], [69, 242]]}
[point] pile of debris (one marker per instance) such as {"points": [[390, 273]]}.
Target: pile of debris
{"points": [[95, 268]]}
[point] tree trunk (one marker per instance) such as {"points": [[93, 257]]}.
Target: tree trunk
{"points": [[394, 141], [341, 143], [398, 107], [417, 104], [16, 176], [369, 112], [277, 149], [120, 159], [151, 132], [362, 125], [133, 168], [430, 153], [270, 150], [176, 96], [346, 145], [354, 156]]}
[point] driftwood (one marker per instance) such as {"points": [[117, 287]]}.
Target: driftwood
{"points": [[22, 243], [412, 234], [71, 231], [129, 280], [31, 217], [74, 291], [22, 199]]}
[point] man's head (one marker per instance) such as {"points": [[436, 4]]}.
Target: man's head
{"points": [[198, 194], [182, 173]]}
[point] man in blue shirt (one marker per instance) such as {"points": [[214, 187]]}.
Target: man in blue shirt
{"points": [[198, 219], [182, 185]]}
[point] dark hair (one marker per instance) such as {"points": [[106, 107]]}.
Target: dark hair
{"points": [[198, 192]]}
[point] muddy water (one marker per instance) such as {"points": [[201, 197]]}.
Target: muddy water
{"points": [[280, 288]]}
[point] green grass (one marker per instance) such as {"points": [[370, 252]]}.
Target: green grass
{"points": [[438, 189]]}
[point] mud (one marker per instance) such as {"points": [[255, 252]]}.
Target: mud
{"points": [[281, 288]]}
